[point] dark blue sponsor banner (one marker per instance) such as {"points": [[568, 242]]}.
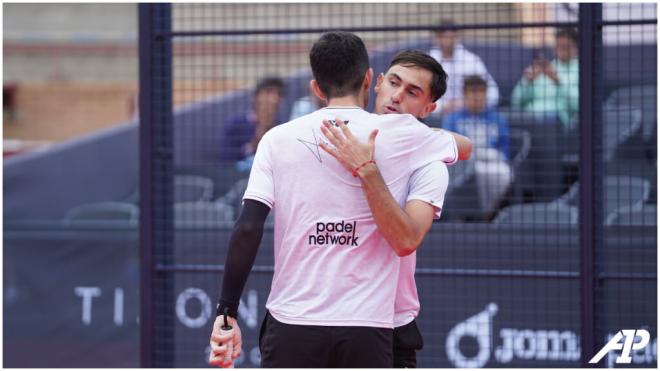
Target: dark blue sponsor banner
{"points": [[514, 303]]}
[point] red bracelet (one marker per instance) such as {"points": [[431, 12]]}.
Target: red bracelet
{"points": [[355, 172]]}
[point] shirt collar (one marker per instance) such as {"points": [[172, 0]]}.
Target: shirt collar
{"points": [[342, 107]]}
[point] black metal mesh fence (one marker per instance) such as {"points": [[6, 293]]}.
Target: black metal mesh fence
{"points": [[500, 275]]}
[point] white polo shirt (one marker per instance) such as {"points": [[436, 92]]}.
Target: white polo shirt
{"points": [[428, 184], [462, 64], [332, 265]]}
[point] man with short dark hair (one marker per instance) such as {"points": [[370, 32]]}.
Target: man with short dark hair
{"points": [[412, 84], [489, 131], [459, 62], [337, 254], [552, 87], [242, 133], [483, 124]]}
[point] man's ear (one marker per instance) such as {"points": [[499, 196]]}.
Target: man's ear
{"points": [[379, 81], [430, 107], [367, 79], [316, 89]]}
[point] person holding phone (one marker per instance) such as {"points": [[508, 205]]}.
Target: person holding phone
{"points": [[552, 86]]}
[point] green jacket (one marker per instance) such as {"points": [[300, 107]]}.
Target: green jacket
{"points": [[543, 95]]}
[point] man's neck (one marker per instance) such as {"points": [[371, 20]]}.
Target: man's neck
{"points": [[347, 101], [264, 118], [475, 113]]}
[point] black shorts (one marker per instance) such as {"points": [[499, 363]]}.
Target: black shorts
{"points": [[295, 346], [406, 342]]}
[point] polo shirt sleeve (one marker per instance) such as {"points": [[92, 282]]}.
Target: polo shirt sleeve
{"points": [[429, 184], [430, 145], [261, 185]]}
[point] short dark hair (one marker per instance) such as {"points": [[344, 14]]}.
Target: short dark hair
{"points": [[445, 24], [474, 82], [569, 33], [339, 63], [415, 58], [268, 83]]}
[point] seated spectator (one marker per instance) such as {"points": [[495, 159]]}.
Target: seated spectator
{"points": [[9, 91], [242, 133], [489, 133], [306, 105], [458, 62], [552, 86]]}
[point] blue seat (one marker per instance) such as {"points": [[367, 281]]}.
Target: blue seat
{"points": [[197, 214], [620, 193], [104, 211], [191, 188], [646, 215], [540, 212]]}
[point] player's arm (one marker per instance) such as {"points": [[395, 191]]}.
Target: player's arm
{"points": [[243, 245], [463, 143], [403, 228]]}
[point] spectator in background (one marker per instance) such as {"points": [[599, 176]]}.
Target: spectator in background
{"points": [[242, 133], [552, 86], [305, 105], [489, 132], [9, 91], [458, 62]]}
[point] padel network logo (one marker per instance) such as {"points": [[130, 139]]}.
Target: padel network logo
{"points": [[339, 233]]}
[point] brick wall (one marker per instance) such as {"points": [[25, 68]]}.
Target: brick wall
{"points": [[55, 111]]}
